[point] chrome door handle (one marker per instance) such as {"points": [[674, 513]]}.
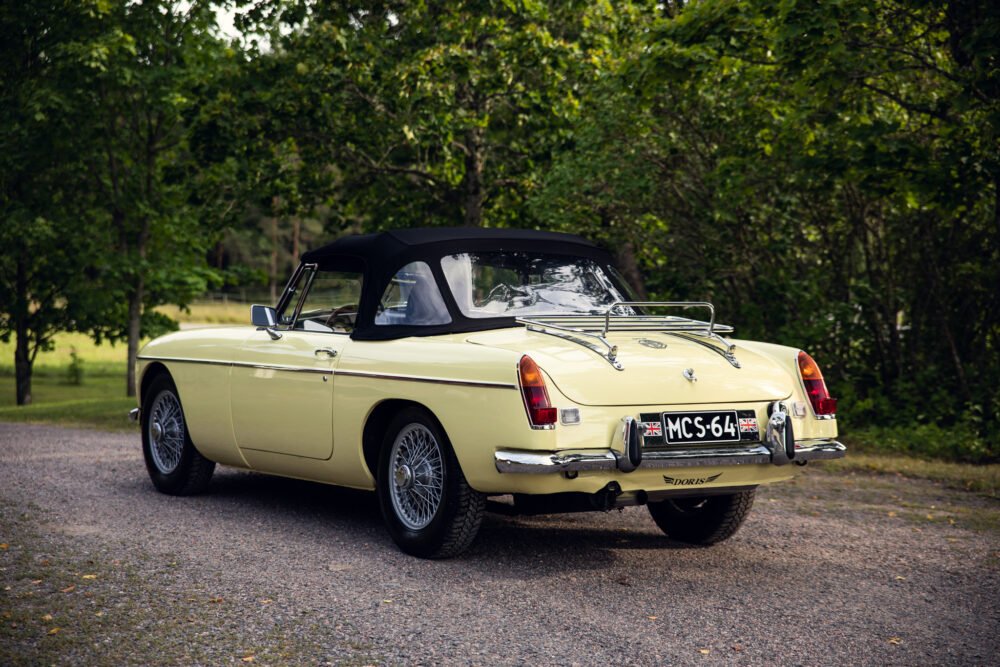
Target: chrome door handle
{"points": [[327, 352]]}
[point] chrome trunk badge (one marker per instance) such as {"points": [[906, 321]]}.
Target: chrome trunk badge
{"points": [[689, 375], [654, 344]]}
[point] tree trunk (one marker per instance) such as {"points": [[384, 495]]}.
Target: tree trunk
{"points": [[22, 356], [629, 266], [296, 236], [134, 331], [273, 269], [474, 195]]}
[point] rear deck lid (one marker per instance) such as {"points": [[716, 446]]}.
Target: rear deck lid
{"points": [[654, 366]]}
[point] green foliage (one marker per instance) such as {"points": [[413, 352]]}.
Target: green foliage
{"points": [[960, 443], [828, 174]]}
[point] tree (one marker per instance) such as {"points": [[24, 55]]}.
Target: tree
{"points": [[143, 86], [49, 253]]}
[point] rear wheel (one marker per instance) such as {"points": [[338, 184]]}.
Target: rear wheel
{"points": [[702, 520], [428, 507], [173, 463]]}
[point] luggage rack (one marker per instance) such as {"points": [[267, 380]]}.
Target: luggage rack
{"points": [[591, 331]]}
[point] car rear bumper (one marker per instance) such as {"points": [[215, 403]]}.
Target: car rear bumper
{"points": [[535, 462]]}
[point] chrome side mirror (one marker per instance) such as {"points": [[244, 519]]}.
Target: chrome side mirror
{"points": [[263, 316]]}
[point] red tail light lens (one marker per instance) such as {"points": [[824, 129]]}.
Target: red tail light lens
{"points": [[536, 398], [812, 378]]}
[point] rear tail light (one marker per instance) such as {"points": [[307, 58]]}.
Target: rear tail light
{"points": [[541, 414], [823, 404]]}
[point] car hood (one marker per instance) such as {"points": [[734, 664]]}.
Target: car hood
{"points": [[651, 375]]}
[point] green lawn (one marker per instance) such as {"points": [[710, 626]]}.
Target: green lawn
{"points": [[100, 402], [104, 359]]}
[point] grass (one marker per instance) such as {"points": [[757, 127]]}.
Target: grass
{"points": [[100, 402], [982, 478], [104, 359]]}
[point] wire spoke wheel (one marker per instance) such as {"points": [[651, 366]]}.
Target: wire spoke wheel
{"points": [[166, 432], [416, 484]]}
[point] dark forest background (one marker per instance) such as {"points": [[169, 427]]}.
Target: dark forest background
{"points": [[827, 173]]}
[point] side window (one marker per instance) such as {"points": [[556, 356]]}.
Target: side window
{"points": [[330, 303], [412, 298]]}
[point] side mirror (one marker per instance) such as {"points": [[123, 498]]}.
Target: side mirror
{"points": [[263, 316]]}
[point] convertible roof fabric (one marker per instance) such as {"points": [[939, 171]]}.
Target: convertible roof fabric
{"points": [[379, 256], [439, 241]]}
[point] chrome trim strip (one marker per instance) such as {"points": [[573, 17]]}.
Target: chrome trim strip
{"points": [[210, 362], [281, 367], [330, 371], [532, 462], [241, 364], [433, 380]]}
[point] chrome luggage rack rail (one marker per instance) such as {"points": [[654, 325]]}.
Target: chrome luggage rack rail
{"points": [[591, 331]]}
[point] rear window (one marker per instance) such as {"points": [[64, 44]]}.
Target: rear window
{"points": [[513, 284]]}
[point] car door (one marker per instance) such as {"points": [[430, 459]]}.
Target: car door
{"points": [[282, 378]]}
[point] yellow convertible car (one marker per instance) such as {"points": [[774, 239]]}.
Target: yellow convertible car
{"points": [[443, 367]]}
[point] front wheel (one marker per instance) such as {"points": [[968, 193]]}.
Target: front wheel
{"points": [[174, 465], [428, 507], [702, 520]]}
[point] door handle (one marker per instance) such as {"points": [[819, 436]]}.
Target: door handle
{"points": [[327, 352]]}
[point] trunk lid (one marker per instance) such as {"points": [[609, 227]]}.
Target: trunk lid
{"points": [[652, 375]]}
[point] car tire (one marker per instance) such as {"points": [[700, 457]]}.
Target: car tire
{"points": [[702, 520], [174, 465], [428, 507]]}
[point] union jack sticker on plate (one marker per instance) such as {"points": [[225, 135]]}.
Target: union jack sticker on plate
{"points": [[748, 424], [652, 429]]}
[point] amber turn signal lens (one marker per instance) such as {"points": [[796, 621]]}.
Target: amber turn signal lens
{"points": [[536, 397], [812, 378]]}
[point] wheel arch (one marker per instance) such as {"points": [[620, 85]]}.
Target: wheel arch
{"points": [[377, 424], [151, 372]]}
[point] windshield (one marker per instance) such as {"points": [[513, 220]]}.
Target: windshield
{"points": [[516, 284]]}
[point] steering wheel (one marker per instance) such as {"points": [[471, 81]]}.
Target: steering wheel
{"points": [[504, 292], [331, 321]]}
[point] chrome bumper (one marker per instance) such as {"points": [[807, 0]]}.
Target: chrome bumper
{"points": [[532, 462], [134, 414]]}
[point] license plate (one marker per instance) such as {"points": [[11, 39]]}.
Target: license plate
{"points": [[682, 428]]}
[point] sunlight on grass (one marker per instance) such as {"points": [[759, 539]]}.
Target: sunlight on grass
{"points": [[97, 359], [968, 477], [209, 313]]}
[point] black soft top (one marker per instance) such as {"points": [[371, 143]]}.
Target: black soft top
{"points": [[379, 256]]}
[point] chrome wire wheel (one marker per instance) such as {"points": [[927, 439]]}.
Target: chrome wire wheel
{"points": [[166, 432], [416, 476]]}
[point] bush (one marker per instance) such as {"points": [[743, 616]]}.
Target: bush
{"points": [[74, 370]]}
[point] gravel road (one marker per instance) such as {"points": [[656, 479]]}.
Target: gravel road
{"points": [[98, 568]]}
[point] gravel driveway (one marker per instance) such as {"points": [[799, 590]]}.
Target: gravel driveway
{"points": [[98, 568]]}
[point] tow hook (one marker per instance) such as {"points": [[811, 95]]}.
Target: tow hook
{"points": [[779, 437]]}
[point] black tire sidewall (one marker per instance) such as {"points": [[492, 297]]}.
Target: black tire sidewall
{"points": [[172, 483], [702, 526], [424, 542]]}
